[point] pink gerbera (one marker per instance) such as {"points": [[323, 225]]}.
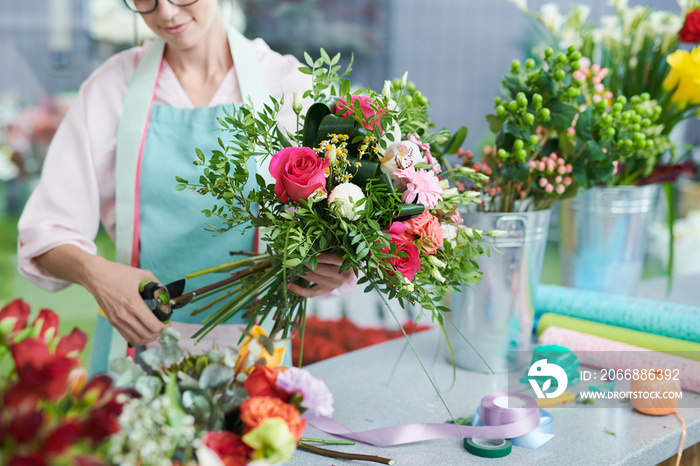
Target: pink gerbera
{"points": [[421, 187]]}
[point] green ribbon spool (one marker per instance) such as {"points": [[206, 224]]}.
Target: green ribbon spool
{"points": [[486, 448]]}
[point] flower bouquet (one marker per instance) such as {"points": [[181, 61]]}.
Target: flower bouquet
{"points": [[358, 177]]}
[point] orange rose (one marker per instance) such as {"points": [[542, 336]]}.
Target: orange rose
{"points": [[427, 227], [255, 411], [261, 382]]}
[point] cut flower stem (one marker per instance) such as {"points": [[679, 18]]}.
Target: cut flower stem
{"points": [[344, 456]]}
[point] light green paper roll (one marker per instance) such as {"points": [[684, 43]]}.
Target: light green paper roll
{"points": [[682, 348]]}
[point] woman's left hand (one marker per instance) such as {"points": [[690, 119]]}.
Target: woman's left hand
{"points": [[325, 278]]}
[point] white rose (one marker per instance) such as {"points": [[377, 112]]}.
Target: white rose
{"points": [[343, 198]]}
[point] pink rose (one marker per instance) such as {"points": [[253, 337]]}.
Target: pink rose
{"points": [[408, 266], [299, 172], [371, 118]]}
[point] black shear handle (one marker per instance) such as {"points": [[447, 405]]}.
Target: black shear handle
{"points": [[156, 298]]}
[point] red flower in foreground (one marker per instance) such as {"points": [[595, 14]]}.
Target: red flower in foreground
{"points": [[40, 374], [49, 324], [690, 33], [228, 446], [17, 310], [261, 382], [33, 460], [61, 438], [72, 344], [24, 427]]}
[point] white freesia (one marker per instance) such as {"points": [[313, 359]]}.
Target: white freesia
{"points": [[618, 4], [343, 198], [449, 234], [521, 4], [551, 18], [386, 92], [404, 79], [496, 233], [435, 262]]}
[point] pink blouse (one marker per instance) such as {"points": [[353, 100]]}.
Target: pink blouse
{"points": [[77, 187]]}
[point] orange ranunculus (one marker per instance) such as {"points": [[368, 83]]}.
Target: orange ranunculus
{"points": [[428, 228], [684, 77], [271, 360], [261, 382], [255, 411]]}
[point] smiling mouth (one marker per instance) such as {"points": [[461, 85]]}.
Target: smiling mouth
{"points": [[180, 28]]}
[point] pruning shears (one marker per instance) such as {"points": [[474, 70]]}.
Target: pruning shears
{"points": [[162, 299]]}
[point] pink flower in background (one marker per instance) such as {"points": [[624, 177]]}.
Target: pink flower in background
{"points": [[299, 172], [371, 117], [317, 397], [421, 187]]}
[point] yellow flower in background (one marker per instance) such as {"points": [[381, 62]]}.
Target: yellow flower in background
{"points": [[256, 348], [684, 76]]}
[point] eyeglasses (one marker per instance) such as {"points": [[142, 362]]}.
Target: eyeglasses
{"points": [[147, 6]]}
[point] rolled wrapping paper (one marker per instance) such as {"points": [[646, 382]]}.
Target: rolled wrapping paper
{"points": [[644, 315], [614, 355], [682, 348], [500, 422]]}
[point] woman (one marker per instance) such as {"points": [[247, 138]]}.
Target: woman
{"points": [[133, 127]]}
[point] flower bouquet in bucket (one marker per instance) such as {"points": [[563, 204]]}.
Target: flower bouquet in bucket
{"points": [[358, 177]]}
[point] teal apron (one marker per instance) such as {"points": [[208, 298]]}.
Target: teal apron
{"points": [[158, 228]]}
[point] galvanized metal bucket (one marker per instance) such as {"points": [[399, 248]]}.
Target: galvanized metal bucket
{"points": [[495, 316], [603, 238]]}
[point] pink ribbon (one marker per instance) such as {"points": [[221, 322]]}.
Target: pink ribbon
{"points": [[501, 423]]}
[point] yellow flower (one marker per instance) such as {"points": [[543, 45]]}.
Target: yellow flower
{"points": [[684, 77], [258, 350]]}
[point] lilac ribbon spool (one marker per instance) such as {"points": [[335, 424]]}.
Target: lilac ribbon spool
{"points": [[506, 415]]}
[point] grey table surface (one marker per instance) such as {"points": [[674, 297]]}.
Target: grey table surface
{"points": [[384, 385]]}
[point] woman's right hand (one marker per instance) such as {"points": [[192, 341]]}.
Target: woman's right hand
{"points": [[116, 289]]}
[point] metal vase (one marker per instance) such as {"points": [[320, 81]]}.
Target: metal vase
{"points": [[495, 316], [603, 237]]}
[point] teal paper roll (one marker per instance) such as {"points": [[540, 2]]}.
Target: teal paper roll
{"points": [[644, 315]]}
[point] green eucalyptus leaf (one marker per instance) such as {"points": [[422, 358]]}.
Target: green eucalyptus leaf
{"points": [[215, 376], [149, 386]]}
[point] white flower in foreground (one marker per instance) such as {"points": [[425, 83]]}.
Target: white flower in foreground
{"points": [[397, 156], [317, 195], [343, 198]]}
